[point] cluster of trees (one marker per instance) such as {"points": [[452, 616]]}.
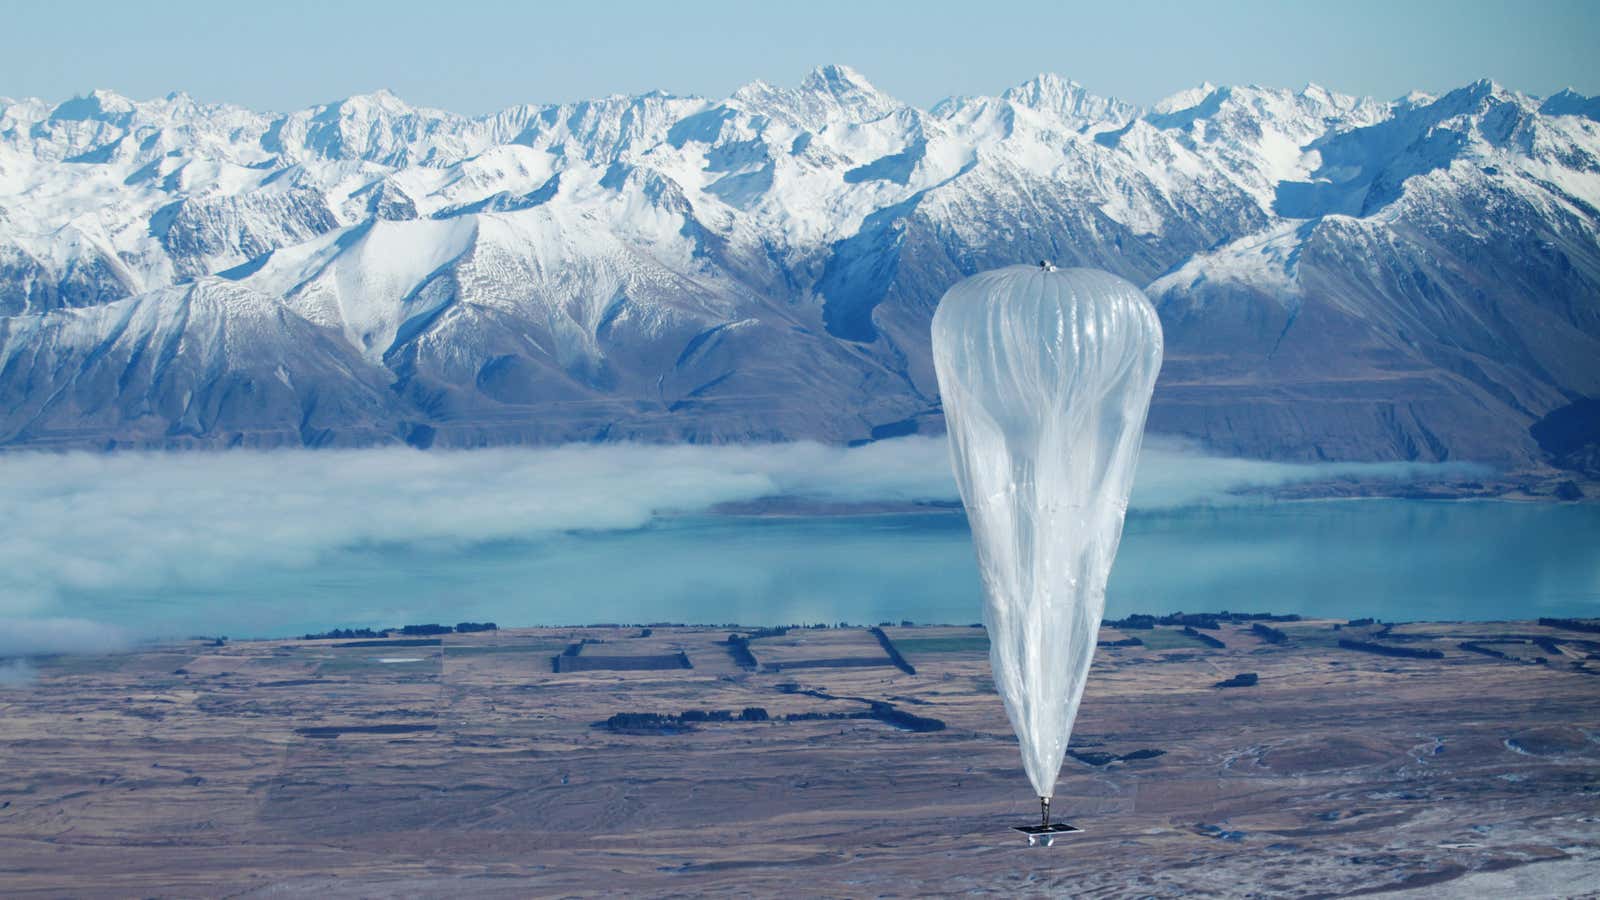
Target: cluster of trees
{"points": [[728, 625], [739, 644], [1571, 624], [1268, 633], [887, 713], [1101, 758], [1388, 650], [1209, 621], [825, 716], [666, 723], [894, 654], [343, 633], [408, 630], [1544, 644], [739, 649], [645, 723], [1475, 647], [748, 714], [899, 718], [1204, 638], [1243, 679]]}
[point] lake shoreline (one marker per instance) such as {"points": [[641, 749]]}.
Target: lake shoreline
{"points": [[809, 561], [794, 506], [434, 634]]}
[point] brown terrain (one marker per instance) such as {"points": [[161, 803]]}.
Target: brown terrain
{"points": [[472, 767]]}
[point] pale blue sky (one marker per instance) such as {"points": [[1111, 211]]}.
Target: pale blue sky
{"points": [[475, 57]]}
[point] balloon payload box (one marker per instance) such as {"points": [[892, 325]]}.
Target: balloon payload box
{"points": [[1045, 835]]}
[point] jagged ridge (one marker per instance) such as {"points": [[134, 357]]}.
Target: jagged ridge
{"points": [[1339, 278]]}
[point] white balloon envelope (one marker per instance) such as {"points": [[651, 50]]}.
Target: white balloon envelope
{"points": [[1046, 377]]}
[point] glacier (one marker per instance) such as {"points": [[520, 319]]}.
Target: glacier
{"points": [[1338, 278]]}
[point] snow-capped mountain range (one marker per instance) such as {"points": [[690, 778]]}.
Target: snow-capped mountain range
{"points": [[1339, 278]]}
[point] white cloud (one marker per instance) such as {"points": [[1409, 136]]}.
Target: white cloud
{"points": [[39, 637], [1174, 474]]}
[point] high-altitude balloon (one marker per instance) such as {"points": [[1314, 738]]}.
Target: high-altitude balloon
{"points": [[1046, 377]]}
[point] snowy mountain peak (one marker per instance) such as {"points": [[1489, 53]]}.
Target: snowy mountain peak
{"points": [[1067, 99], [1185, 99], [854, 94], [380, 102], [374, 99], [1044, 86], [98, 104], [1317, 95], [647, 266], [1568, 102], [829, 95], [839, 80]]}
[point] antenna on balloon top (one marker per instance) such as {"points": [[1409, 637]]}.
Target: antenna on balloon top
{"points": [[1047, 265]]}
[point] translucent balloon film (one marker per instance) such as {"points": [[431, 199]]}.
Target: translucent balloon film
{"points": [[1046, 377]]}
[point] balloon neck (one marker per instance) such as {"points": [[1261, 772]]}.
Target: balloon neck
{"points": [[1044, 811]]}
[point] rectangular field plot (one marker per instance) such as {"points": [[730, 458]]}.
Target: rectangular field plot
{"points": [[977, 643], [939, 641], [584, 662], [819, 649], [621, 654], [1167, 638]]}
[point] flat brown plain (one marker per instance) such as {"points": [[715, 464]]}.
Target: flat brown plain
{"points": [[293, 768]]}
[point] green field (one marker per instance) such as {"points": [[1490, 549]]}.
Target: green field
{"points": [[348, 663], [974, 644], [487, 649], [1160, 638]]}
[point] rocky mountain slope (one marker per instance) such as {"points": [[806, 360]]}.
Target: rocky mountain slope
{"points": [[1339, 278]]}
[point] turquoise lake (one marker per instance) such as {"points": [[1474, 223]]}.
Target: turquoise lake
{"points": [[1396, 560]]}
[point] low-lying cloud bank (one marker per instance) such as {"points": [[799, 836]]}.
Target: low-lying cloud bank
{"points": [[1175, 474], [83, 523], [24, 637], [20, 637]]}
